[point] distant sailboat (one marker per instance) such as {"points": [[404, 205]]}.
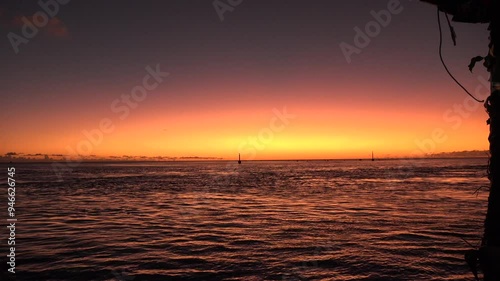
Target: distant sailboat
{"points": [[239, 158], [373, 159]]}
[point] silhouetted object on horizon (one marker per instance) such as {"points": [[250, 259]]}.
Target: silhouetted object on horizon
{"points": [[373, 159], [239, 158]]}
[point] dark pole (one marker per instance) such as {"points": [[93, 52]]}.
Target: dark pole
{"points": [[489, 253]]}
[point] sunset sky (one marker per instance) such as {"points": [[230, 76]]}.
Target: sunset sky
{"points": [[231, 83]]}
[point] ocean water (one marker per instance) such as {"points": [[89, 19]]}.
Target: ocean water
{"points": [[262, 220]]}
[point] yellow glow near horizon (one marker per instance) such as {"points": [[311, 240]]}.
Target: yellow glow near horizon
{"points": [[314, 132]]}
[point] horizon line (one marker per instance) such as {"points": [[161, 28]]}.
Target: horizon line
{"points": [[231, 160]]}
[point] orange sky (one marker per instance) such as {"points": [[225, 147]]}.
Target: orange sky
{"points": [[227, 79], [348, 129]]}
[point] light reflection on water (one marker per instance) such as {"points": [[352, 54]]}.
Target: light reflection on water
{"points": [[308, 220]]}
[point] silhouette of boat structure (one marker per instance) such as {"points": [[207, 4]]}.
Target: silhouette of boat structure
{"points": [[239, 158]]}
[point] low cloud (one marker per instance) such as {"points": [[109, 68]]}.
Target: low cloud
{"points": [[54, 28], [12, 13]]}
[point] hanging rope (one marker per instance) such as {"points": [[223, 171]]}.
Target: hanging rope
{"points": [[441, 53]]}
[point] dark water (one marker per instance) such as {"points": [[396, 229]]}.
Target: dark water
{"points": [[319, 220]]}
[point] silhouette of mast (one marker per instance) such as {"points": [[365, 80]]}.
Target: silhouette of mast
{"points": [[373, 159], [239, 158]]}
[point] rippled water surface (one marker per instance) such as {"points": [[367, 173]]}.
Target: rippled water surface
{"points": [[307, 220]]}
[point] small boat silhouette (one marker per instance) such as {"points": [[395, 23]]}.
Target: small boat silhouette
{"points": [[239, 158]]}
